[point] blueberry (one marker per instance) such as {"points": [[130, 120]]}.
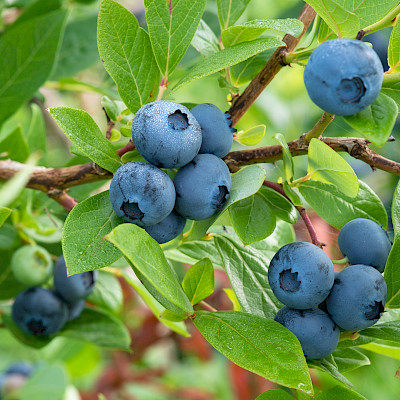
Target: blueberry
{"points": [[357, 298], [141, 193], [216, 129], [39, 312], [343, 76], [75, 287], [363, 241], [166, 134], [20, 367], [202, 187], [169, 228], [301, 275], [317, 333], [75, 309], [31, 265]]}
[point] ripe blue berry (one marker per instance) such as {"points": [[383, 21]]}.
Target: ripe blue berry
{"points": [[317, 333], [363, 241], [141, 193], [202, 187], [31, 265], [169, 228], [75, 309], [357, 298], [39, 312], [343, 76], [166, 134], [75, 287], [216, 129], [20, 367], [301, 275]]}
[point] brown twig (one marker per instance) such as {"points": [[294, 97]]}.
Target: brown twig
{"points": [[128, 147], [302, 211], [273, 66], [62, 198]]}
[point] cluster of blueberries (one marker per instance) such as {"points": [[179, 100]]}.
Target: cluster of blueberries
{"points": [[14, 377], [40, 311], [320, 303], [343, 76], [170, 136]]}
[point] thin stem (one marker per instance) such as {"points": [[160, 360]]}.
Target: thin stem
{"points": [[306, 219], [297, 56], [162, 88], [110, 125], [319, 127], [387, 20], [62, 198], [304, 178], [128, 147]]}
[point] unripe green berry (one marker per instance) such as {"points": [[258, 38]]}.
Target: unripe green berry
{"points": [[31, 265]]}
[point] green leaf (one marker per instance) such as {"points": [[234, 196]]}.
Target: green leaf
{"points": [[84, 133], [98, 327], [155, 307], [247, 70], [257, 344], [339, 393], [326, 200], [36, 136], [226, 58], [4, 214], [28, 54], [79, 47], [389, 331], [253, 29], [83, 244], [245, 183], [47, 382], [172, 25], [107, 292], [14, 144], [343, 22], [199, 249], [329, 368], [376, 122], [275, 394], [150, 266], [127, 54], [252, 218], [229, 11], [287, 156], [349, 359], [198, 282], [248, 274], [392, 269], [279, 205], [204, 40], [325, 165], [392, 89], [388, 351], [394, 48], [252, 136], [37, 9]]}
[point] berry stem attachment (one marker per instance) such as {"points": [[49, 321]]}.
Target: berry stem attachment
{"points": [[388, 20], [319, 127], [296, 57]]}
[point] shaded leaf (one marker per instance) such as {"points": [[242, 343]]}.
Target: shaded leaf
{"points": [[229, 11]]}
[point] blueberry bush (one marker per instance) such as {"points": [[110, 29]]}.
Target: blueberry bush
{"points": [[175, 176]]}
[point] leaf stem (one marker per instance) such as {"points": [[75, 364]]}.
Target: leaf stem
{"points": [[319, 127], [388, 20], [297, 56], [344, 260], [205, 306], [304, 178]]}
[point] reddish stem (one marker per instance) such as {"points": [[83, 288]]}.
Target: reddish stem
{"points": [[128, 147]]}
